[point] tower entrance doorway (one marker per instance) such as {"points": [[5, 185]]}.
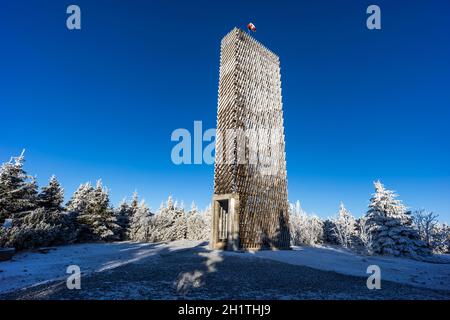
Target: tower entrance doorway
{"points": [[225, 224]]}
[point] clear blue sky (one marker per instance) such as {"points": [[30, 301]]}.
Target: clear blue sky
{"points": [[102, 102]]}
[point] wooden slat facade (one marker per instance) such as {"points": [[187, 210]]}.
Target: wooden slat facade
{"points": [[250, 126]]}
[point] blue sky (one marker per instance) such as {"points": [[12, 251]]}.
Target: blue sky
{"points": [[102, 102]]}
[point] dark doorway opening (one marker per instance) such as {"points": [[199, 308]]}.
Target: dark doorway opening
{"points": [[224, 218]]}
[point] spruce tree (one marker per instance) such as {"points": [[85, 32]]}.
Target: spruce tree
{"points": [[80, 198], [51, 196], [95, 216], [41, 227], [140, 224], [390, 225], [134, 202], [47, 225], [18, 191], [170, 223], [329, 234], [195, 224], [123, 215]]}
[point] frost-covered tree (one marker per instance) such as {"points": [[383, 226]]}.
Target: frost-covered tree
{"points": [[315, 227], [390, 225], [51, 196], [140, 222], [329, 235], [440, 236], [46, 225], [297, 224], [207, 217], [134, 205], [41, 227], [3, 238], [364, 236], [425, 222], [304, 229], [18, 191], [194, 208], [170, 223], [344, 227], [296, 208], [95, 216], [197, 224], [434, 234], [81, 198], [123, 215]]}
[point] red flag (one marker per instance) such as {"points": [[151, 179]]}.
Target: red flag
{"points": [[251, 27]]}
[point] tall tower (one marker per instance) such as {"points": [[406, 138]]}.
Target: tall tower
{"points": [[250, 205]]}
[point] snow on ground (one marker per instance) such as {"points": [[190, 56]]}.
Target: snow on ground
{"points": [[34, 268], [403, 270]]}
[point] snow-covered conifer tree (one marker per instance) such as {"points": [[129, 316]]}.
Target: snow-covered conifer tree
{"points": [[94, 213], [46, 225], [41, 227], [196, 225], [390, 225], [135, 202], [329, 235], [81, 198], [123, 216], [140, 223], [18, 191], [51, 196], [170, 223]]}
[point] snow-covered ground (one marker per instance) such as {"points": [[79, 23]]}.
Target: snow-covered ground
{"points": [[34, 268], [407, 271]]}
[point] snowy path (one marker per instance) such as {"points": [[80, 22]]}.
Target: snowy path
{"points": [[407, 271], [34, 268]]}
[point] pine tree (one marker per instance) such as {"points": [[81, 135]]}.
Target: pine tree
{"points": [[18, 191], [390, 225]]}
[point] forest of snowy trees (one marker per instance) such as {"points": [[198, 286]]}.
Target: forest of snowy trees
{"points": [[387, 228], [33, 217]]}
